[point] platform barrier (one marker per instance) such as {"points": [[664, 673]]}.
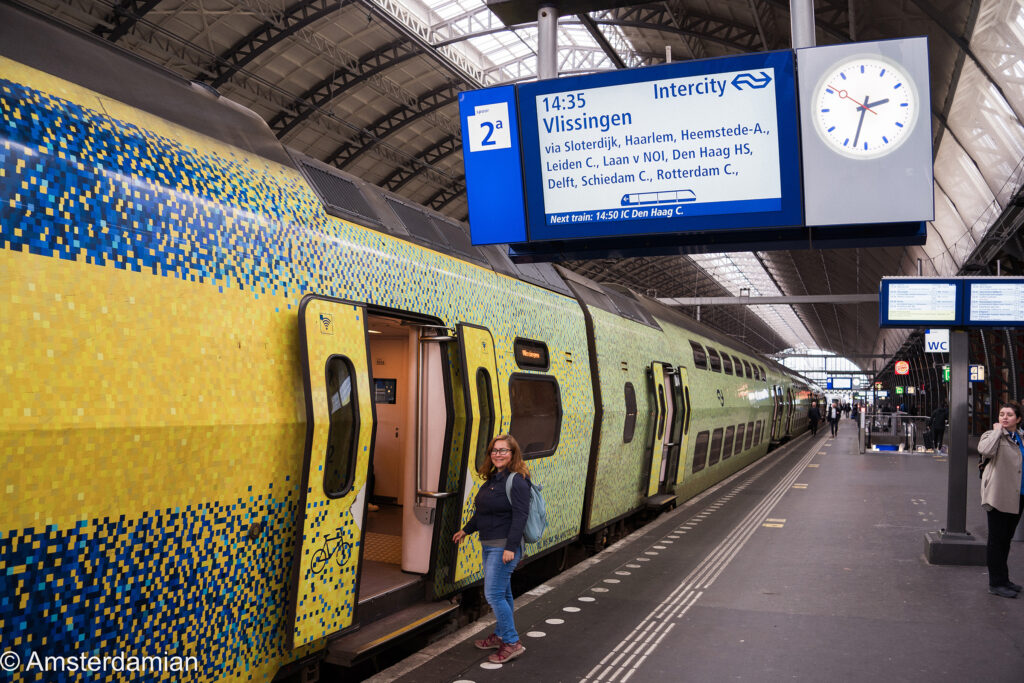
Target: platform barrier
{"points": [[897, 432]]}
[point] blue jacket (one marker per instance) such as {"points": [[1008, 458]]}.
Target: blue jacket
{"points": [[495, 517]]}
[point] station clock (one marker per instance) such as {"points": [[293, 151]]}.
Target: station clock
{"points": [[865, 107]]}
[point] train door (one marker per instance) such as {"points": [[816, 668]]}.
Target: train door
{"points": [[411, 396], [339, 431], [483, 419], [789, 410], [774, 436], [680, 422], [658, 376]]}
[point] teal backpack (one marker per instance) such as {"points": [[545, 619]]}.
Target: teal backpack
{"points": [[537, 519]]}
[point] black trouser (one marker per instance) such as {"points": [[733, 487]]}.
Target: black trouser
{"points": [[1001, 527], [835, 425], [937, 436], [814, 427]]}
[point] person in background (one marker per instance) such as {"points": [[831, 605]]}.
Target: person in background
{"points": [[1002, 452], [939, 416], [814, 417], [500, 523], [833, 416]]}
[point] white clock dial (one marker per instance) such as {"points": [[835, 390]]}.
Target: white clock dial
{"points": [[865, 107]]}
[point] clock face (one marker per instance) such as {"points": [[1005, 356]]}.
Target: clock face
{"points": [[865, 107]]}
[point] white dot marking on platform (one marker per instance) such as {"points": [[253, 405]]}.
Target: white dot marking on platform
{"points": [[643, 559], [570, 609], [490, 665], [612, 581], [622, 573], [535, 634], [598, 589], [554, 622], [586, 598], [633, 566], [650, 552], [658, 547]]}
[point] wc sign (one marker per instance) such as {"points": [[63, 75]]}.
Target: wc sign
{"points": [[936, 341]]}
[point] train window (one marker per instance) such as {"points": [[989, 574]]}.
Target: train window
{"points": [[730, 434], [716, 447], [716, 360], [757, 432], [726, 364], [630, 426], [343, 432], [700, 451], [700, 358], [746, 370], [738, 364], [484, 395], [750, 436], [740, 431], [764, 377], [536, 407]]}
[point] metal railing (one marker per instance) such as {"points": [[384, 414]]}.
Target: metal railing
{"points": [[896, 431]]}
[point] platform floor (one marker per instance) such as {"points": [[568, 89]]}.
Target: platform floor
{"points": [[808, 566]]}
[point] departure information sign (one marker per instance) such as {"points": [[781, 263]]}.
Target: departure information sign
{"points": [[912, 302], [995, 302], [662, 149]]}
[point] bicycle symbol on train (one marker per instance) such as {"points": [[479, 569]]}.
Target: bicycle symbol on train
{"points": [[331, 547]]}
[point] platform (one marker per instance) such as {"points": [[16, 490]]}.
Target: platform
{"points": [[806, 566]]}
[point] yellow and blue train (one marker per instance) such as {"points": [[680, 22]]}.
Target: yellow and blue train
{"points": [[213, 348]]}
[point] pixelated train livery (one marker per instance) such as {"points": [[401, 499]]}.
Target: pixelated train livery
{"points": [[210, 342]]}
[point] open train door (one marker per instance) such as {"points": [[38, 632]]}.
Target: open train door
{"points": [[776, 414], [656, 376], [483, 419], [679, 437], [339, 432]]}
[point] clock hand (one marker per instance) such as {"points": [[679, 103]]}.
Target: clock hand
{"points": [[875, 104], [861, 122], [846, 96]]}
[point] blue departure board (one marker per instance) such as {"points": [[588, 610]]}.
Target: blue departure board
{"points": [[692, 146]]}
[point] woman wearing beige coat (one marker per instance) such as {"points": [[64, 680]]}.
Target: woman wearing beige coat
{"points": [[1002, 449]]}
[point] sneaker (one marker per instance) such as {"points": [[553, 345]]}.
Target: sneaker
{"points": [[491, 642], [1001, 591], [507, 652]]}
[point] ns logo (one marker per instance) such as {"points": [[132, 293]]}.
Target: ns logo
{"points": [[721, 398]]}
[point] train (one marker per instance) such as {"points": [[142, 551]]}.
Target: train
{"points": [[245, 394]]}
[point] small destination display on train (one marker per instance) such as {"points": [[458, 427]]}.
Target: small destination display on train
{"points": [[909, 302], [531, 354], [995, 301], [662, 149]]}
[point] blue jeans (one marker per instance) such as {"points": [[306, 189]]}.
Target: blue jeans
{"points": [[498, 591]]}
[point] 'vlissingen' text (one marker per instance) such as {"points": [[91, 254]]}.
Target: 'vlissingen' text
{"points": [[604, 122]]}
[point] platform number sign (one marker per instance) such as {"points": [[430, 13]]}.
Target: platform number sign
{"points": [[489, 128]]}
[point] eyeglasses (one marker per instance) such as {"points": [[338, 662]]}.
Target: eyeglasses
{"points": [[500, 451]]}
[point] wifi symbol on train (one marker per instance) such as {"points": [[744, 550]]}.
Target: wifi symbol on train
{"points": [[326, 324]]}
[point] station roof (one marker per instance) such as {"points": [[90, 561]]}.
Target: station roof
{"points": [[371, 86]]}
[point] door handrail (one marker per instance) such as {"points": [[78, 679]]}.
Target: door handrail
{"points": [[418, 464]]}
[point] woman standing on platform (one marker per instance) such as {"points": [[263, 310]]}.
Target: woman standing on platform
{"points": [[500, 522], [1002, 452]]}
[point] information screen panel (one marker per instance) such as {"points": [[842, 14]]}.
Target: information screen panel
{"points": [[914, 302], [840, 383], [996, 302], [701, 145]]}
